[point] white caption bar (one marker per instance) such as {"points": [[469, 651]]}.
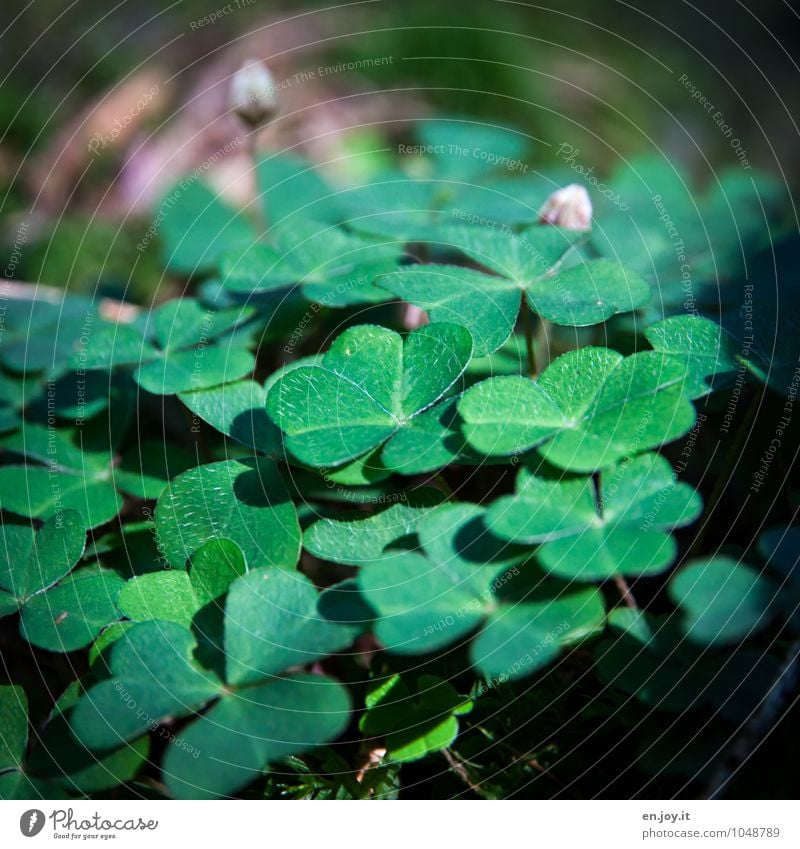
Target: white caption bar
{"points": [[399, 824]]}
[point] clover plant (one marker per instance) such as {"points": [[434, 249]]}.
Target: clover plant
{"points": [[404, 480]]}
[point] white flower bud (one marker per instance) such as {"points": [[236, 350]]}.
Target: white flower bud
{"points": [[414, 317], [252, 94], [569, 208]]}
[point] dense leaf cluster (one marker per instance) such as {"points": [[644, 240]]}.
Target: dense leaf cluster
{"points": [[268, 515]]}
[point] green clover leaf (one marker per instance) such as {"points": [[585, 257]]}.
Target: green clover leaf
{"points": [[13, 727], [237, 410], [176, 596], [59, 611], [83, 471], [293, 190], [430, 441], [244, 501], [248, 729], [587, 535], [367, 387], [41, 493], [414, 723], [195, 226], [464, 149], [590, 408], [34, 560], [706, 349], [58, 766], [723, 600], [529, 263], [154, 676], [398, 207], [426, 603], [71, 615], [361, 540], [180, 347], [271, 624], [332, 266]]}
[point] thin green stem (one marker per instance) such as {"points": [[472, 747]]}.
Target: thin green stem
{"points": [[542, 345], [259, 214], [444, 486], [458, 766], [526, 323], [625, 592]]}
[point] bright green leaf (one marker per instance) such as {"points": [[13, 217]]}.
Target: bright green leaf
{"points": [[622, 529], [201, 368], [38, 493], [361, 540], [243, 501], [704, 346], [366, 388], [589, 408], [237, 410], [195, 227]]}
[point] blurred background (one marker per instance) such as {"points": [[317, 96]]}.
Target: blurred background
{"points": [[104, 105]]}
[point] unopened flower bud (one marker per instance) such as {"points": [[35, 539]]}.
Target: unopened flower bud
{"points": [[414, 317], [252, 94], [569, 208]]}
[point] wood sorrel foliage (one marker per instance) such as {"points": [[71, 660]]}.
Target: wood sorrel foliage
{"points": [[263, 528]]}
